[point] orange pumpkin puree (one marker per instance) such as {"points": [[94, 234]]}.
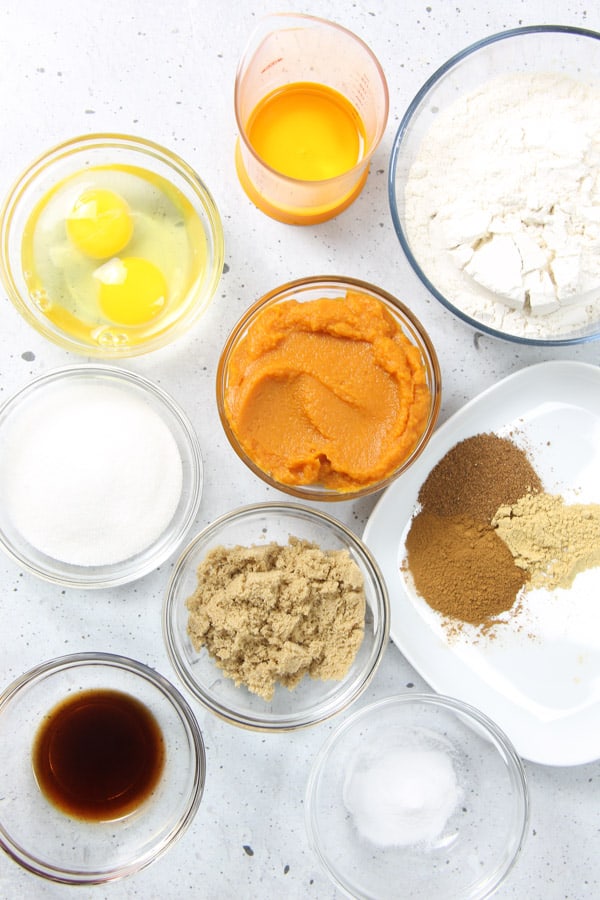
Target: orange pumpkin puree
{"points": [[327, 392]]}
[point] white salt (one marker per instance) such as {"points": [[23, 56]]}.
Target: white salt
{"points": [[403, 796], [89, 474]]}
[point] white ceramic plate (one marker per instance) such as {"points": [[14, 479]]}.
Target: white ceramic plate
{"points": [[539, 676]]}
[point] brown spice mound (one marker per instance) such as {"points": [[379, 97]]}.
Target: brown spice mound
{"points": [[273, 613], [468, 573], [477, 476]]}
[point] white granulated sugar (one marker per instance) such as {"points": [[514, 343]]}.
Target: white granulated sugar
{"points": [[502, 204], [89, 474]]}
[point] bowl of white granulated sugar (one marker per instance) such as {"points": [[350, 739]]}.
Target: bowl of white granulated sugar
{"points": [[420, 796], [100, 476], [494, 189]]}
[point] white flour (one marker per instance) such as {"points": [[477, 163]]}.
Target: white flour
{"points": [[503, 204]]}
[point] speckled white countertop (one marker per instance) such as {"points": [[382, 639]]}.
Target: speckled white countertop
{"points": [[164, 69]]}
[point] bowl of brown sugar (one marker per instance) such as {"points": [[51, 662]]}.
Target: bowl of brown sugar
{"points": [[276, 617]]}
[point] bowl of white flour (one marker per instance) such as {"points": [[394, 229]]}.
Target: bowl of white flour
{"points": [[494, 185]]}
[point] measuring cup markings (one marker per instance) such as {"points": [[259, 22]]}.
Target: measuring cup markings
{"points": [[286, 51]]}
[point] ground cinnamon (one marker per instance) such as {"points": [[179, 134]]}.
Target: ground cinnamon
{"points": [[461, 567]]}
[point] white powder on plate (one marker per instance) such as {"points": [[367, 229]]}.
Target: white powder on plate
{"points": [[89, 474], [404, 796], [502, 204]]}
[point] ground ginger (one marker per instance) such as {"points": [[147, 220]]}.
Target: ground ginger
{"points": [[274, 613], [550, 539]]}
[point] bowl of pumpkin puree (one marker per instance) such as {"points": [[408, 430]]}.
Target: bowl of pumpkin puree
{"points": [[328, 388]]}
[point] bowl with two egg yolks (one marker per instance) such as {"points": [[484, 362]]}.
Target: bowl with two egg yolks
{"points": [[111, 246]]}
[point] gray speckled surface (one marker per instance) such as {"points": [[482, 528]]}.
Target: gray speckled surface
{"points": [[165, 70]]}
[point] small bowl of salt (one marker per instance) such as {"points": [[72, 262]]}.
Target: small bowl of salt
{"points": [[417, 795], [100, 476]]}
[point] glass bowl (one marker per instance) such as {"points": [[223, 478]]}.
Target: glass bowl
{"points": [[447, 809], [321, 417], [56, 284], [82, 525], [519, 265], [61, 847], [312, 700]]}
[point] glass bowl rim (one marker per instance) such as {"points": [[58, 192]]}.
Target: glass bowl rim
{"points": [[286, 722], [147, 387], [397, 145], [177, 701], [400, 309]]}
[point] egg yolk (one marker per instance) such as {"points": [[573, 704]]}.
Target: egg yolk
{"points": [[100, 223], [131, 290]]}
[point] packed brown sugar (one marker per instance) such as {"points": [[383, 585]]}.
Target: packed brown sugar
{"points": [[271, 614], [327, 391]]}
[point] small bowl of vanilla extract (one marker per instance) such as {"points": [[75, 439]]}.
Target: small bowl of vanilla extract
{"points": [[104, 768]]}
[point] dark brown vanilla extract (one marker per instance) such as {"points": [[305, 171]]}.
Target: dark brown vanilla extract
{"points": [[98, 755]]}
